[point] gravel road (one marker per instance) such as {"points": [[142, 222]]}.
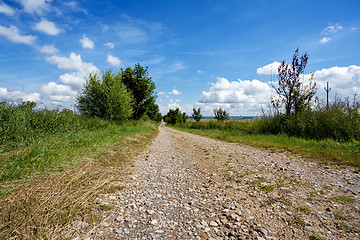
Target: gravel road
{"points": [[185, 186]]}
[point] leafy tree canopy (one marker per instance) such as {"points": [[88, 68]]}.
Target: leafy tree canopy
{"points": [[106, 97], [175, 117], [139, 83]]}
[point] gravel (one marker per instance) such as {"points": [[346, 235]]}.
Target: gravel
{"points": [[185, 186]]}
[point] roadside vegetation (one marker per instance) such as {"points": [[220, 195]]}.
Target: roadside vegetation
{"points": [[54, 163], [295, 122]]}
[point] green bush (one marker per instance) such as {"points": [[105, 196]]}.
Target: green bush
{"points": [[175, 117], [106, 97]]}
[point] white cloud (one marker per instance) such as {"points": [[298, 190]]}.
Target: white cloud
{"points": [[114, 61], [73, 62], [12, 33], [176, 66], [57, 89], [269, 69], [162, 93], [109, 44], [325, 40], [58, 93], [240, 91], [175, 92], [86, 42], [18, 96], [35, 6], [48, 49], [200, 71], [344, 81], [5, 9], [332, 29], [47, 27], [243, 97]]}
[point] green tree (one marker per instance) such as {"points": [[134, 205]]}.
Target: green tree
{"points": [[221, 114], [290, 90], [197, 114], [175, 117], [137, 80], [105, 97]]}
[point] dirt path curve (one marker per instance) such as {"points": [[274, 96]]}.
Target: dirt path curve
{"points": [[191, 187]]}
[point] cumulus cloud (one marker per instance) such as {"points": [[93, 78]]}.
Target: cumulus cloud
{"points": [[58, 93], [175, 92], [114, 61], [86, 42], [109, 44], [35, 6], [5, 9], [200, 71], [47, 27], [344, 81], [57, 89], [269, 69], [18, 96], [240, 91], [48, 49], [73, 62], [12, 33]]}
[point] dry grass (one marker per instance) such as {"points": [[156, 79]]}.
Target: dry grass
{"points": [[42, 206]]}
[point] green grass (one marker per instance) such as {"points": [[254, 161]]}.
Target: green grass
{"points": [[57, 179], [57, 150], [325, 151]]}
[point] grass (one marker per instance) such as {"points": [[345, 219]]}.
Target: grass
{"points": [[56, 179], [343, 198], [324, 151]]}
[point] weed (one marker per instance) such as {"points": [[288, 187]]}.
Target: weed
{"points": [[317, 236], [303, 208], [343, 198], [228, 186], [339, 214]]}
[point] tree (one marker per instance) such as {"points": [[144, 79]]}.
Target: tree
{"points": [[221, 114], [196, 114], [137, 80], [105, 97], [175, 117], [290, 89]]}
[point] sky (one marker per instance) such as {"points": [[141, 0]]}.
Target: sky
{"points": [[203, 53]]}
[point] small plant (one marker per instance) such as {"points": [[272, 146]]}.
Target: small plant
{"points": [[317, 236], [221, 114], [339, 214], [304, 209], [196, 114], [343, 198]]}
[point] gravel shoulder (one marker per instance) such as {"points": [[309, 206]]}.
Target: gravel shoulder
{"points": [[186, 186]]}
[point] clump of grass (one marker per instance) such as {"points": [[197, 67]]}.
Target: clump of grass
{"points": [[303, 208], [343, 198]]}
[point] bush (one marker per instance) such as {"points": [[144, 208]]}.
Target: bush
{"points": [[106, 97], [175, 117], [221, 114]]}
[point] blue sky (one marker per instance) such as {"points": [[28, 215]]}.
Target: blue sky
{"points": [[204, 53]]}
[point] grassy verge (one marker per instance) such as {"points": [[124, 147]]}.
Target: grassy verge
{"points": [[324, 151], [56, 179]]}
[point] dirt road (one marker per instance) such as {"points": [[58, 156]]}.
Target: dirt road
{"points": [[191, 187]]}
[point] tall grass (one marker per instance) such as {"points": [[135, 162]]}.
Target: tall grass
{"points": [[329, 134], [22, 124], [339, 121]]}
